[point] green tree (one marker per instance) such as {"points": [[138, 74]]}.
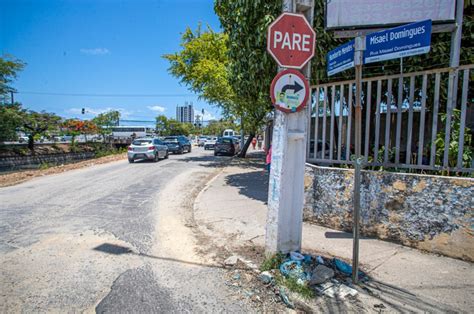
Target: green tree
{"points": [[251, 68], [37, 124], [162, 125], [166, 126], [10, 121], [105, 121], [201, 65], [231, 69], [9, 68]]}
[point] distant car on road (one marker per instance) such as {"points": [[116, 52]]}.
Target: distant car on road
{"points": [[210, 143], [178, 144], [147, 148], [226, 146], [201, 140]]}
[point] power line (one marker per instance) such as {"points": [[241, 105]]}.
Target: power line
{"points": [[104, 95]]}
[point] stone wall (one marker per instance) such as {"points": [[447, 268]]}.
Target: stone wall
{"points": [[431, 213], [29, 162]]}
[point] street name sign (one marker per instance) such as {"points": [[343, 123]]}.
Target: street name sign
{"points": [[403, 41], [291, 40], [289, 91], [341, 58]]}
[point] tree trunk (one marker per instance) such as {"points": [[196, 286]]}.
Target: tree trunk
{"points": [[31, 143], [244, 149]]}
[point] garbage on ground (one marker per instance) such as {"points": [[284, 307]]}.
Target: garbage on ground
{"points": [[285, 298], [345, 268], [266, 277], [231, 261], [297, 257], [320, 274], [335, 289], [295, 270]]}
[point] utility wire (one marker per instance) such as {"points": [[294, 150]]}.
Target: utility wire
{"points": [[104, 95]]}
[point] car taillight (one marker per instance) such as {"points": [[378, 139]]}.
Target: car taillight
{"points": [[151, 148], [130, 149]]}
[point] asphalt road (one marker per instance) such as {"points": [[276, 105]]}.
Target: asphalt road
{"points": [[93, 239]]}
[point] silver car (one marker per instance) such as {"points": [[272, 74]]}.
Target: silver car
{"points": [[147, 148]]}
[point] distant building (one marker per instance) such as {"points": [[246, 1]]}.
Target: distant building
{"points": [[185, 113]]}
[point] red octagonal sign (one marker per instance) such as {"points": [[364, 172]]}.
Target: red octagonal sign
{"points": [[291, 40]]}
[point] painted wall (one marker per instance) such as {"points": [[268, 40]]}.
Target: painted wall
{"points": [[432, 213]]}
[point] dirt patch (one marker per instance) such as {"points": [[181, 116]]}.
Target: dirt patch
{"points": [[22, 176]]}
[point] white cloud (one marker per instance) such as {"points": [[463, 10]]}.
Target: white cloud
{"points": [[95, 51], [207, 115], [157, 108]]}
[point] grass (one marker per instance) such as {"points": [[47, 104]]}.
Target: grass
{"points": [[274, 262], [292, 284], [44, 166]]}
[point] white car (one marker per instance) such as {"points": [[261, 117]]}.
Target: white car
{"points": [[201, 140], [210, 143]]}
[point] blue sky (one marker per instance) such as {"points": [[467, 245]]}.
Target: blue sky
{"points": [[101, 47]]}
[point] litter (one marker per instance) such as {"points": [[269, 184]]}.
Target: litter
{"points": [[231, 261], [285, 299], [295, 256], [320, 274], [266, 277], [294, 270], [236, 276], [335, 290], [320, 260], [345, 268]]}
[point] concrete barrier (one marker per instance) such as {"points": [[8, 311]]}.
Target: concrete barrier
{"points": [[32, 162]]}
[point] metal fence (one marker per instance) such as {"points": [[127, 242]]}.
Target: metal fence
{"points": [[420, 120]]}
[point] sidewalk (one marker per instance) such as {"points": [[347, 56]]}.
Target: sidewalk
{"points": [[232, 209]]}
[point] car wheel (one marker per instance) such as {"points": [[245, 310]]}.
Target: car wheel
{"points": [[157, 157], [130, 160], [189, 148], [167, 155], [180, 151]]}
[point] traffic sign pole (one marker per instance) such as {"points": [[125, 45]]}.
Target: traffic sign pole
{"points": [[286, 183], [359, 47]]}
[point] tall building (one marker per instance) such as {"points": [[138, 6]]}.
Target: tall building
{"points": [[185, 113]]}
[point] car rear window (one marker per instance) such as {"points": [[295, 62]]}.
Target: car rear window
{"points": [[141, 142], [224, 141], [171, 140]]}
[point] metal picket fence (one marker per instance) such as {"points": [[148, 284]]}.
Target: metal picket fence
{"points": [[420, 120]]}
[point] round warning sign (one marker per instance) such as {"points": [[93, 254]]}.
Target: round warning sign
{"points": [[289, 91]]}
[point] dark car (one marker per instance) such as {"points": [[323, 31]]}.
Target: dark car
{"points": [[226, 146], [178, 144]]}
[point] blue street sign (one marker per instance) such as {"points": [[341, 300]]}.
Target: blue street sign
{"points": [[341, 58], [403, 41]]}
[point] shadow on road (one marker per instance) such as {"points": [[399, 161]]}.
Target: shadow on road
{"points": [[120, 250], [210, 161]]}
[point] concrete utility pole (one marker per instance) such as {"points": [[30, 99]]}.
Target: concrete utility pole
{"points": [[286, 183]]}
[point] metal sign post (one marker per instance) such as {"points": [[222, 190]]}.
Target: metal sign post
{"points": [[359, 47]]}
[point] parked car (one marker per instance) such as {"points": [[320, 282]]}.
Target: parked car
{"points": [[178, 144], [227, 146], [201, 140], [23, 139], [210, 143], [147, 148]]}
